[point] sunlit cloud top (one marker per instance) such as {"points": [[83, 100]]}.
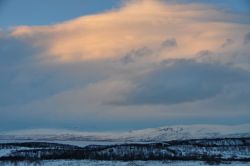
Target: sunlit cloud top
{"points": [[137, 24]]}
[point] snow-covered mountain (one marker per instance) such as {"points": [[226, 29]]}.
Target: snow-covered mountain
{"points": [[212, 151], [208, 143], [181, 132]]}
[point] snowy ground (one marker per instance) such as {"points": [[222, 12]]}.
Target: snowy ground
{"points": [[160, 134], [116, 163], [75, 143]]}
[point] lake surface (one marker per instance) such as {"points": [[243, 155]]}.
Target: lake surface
{"points": [[76, 143], [115, 163]]}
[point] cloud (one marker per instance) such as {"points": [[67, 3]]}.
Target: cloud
{"points": [[145, 59], [13, 50], [16, 58], [25, 83], [136, 24], [247, 38], [228, 42], [136, 54], [169, 43], [26, 77], [184, 81]]}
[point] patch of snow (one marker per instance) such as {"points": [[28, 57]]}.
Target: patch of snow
{"points": [[115, 163], [167, 133], [5, 152]]}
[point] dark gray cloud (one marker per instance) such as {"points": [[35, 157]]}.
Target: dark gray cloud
{"points": [[27, 83], [16, 58], [136, 54], [140, 53], [25, 78], [227, 42], [247, 38], [14, 51], [184, 81], [169, 43], [204, 53]]}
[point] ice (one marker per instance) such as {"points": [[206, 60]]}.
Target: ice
{"points": [[116, 163]]}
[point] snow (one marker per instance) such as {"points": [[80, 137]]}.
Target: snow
{"points": [[74, 143], [116, 163], [166, 133], [225, 148], [5, 152], [161, 134]]}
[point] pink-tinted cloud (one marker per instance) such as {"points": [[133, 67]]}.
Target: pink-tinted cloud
{"points": [[136, 24]]}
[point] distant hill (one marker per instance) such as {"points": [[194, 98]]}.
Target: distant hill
{"points": [[168, 133]]}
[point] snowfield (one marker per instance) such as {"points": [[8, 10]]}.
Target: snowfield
{"points": [[167, 133], [115, 163], [210, 150], [192, 145], [5, 152]]}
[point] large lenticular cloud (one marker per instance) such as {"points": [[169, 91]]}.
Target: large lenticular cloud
{"points": [[147, 62], [137, 24]]}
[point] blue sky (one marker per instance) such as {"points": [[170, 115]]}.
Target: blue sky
{"points": [[32, 12], [238, 5], [123, 65]]}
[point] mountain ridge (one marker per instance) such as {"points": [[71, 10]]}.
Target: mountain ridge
{"points": [[166, 133]]}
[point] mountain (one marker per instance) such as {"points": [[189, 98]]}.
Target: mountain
{"points": [[212, 144], [212, 151], [167, 133]]}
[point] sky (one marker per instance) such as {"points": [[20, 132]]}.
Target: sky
{"points": [[123, 64]]}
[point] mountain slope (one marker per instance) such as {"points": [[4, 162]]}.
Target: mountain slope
{"points": [[210, 150], [147, 135]]}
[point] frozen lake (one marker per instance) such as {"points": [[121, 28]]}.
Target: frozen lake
{"points": [[76, 143], [116, 163], [103, 163]]}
